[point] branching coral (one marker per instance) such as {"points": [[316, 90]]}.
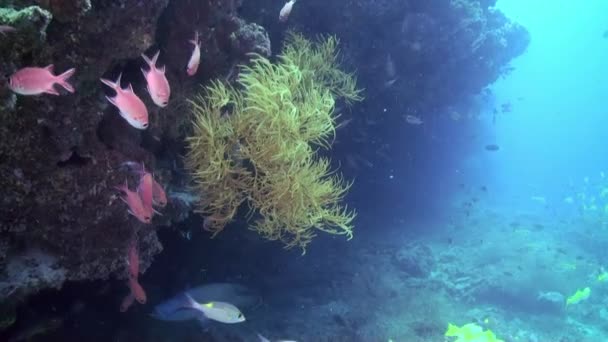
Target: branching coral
{"points": [[256, 144]]}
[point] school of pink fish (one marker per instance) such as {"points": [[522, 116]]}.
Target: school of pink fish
{"points": [[149, 193], [37, 81]]}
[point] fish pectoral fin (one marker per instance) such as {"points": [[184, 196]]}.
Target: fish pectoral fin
{"points": [[112, 100]]}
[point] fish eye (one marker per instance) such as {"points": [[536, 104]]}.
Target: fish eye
{"points": [[145, 125]]}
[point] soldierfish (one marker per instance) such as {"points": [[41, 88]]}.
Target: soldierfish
{"points": [[136, 207], [159, 197], [131, 107], [158, 86], [145, 191], [286, 10], [35, 81], [137, 291], [195, 58], [133, 260], [127, 302]]}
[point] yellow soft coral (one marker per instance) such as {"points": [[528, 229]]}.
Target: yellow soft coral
{"points": [[256, 144]]}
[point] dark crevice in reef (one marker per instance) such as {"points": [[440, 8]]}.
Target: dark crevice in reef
{"points": [[75, 159]]}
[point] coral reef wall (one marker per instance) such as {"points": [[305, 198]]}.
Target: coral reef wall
{"points": [[61, 156]]}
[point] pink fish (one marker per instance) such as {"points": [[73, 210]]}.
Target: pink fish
{"points": [[137, 291], [127, 302], [145, 192], [35, 81], [286, 10], [158, 86], [133, 261], [195, 59], [130, 106], [136, 207]]}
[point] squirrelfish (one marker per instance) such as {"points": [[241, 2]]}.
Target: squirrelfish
{"points": [[145, 191], [130, 106], [286, 10], [35, 81], [127, 302], [137, 291], [195, 59], [217, 311], [133, 260], [158, 86], [136, 207]]}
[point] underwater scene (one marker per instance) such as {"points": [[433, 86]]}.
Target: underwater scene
{"points": [[304, 170]]}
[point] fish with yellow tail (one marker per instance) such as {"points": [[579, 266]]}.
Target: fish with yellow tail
{"points": [[217, 311], [286, 11]]}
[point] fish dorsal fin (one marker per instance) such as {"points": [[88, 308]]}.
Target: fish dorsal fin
{"points": [[148, 61], [130, 89], [49, 68], [155, 58], [118, 86], [162, 70]]}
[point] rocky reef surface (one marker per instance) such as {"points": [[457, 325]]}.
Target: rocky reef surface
{"points": [[60, 158]]}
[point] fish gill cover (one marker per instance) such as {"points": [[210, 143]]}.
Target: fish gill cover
{"points": [[256, 144]]}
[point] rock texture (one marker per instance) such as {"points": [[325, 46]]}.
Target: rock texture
{"points": [[61, 156]]}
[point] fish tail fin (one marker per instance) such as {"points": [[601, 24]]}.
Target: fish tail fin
{"points": [[113, 85], [155, 58], [62, 80], [148, 61]]}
